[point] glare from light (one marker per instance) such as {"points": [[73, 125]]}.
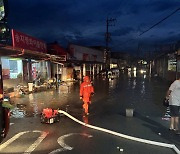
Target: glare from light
{"points": [[142, 71], [129, 74], [129, 69]]}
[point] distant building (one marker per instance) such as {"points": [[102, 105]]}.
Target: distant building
{"points": [[86, 60], [167, 64], [123, 59]]}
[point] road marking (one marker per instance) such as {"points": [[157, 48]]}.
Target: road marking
{"points": [[37, 142], [32, 147], [62, 138], [64, 146], [161, 144], [57, 151], [2, 146]]}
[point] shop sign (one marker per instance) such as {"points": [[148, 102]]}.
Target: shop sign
{"points": [[21, 40]]}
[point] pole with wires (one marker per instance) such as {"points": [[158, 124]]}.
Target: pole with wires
{"points": [[109, 22]]}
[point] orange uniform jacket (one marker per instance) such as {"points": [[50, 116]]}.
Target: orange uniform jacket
{"points": [[86, 89]]}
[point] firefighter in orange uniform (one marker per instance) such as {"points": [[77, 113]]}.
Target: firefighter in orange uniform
{"points": [[86, 91]]}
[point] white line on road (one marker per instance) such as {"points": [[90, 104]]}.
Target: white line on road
{"points": [[57, 151], [62, 138], [37, 142], [172, 146], [2, 146], [32, 147], [64, 146]]}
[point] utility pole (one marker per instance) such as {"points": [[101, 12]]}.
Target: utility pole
{"points": [[109, 22]]}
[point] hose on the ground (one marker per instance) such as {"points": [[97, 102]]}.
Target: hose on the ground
{"points": [[172, 146]]}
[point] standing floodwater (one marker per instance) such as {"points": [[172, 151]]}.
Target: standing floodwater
{"points": [[108, 110], [112, 96]]}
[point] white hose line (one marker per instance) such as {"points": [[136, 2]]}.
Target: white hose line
{"points": [[172, 146]]}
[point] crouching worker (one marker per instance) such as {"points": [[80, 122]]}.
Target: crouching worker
{"points": [[86, 91]]}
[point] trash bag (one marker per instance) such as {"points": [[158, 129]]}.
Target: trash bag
{"points": [[166, 102]]}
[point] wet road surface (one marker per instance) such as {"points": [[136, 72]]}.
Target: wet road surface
{"points": [[111, 99]]}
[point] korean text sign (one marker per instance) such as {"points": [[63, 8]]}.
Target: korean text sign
{"points": [[21, 40]]}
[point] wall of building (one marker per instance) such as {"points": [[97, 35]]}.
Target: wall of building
{"points": [[80, 51], [166, 67]]}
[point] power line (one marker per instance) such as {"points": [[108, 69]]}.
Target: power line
{"points": [[159, 22], [152, 26]]}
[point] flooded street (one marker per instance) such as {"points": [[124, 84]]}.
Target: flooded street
{"points": [[86, 77], [111, 96], [108, 110]]}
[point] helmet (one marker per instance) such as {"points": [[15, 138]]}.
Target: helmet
{"points": [[86, 79]]}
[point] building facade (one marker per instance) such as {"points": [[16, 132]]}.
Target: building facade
{"points": [[86, 60], [167, 65]]}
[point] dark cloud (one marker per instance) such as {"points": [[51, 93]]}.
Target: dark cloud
{"points": [[172, 33], [84, 22], [122, 31], [160, 6]]}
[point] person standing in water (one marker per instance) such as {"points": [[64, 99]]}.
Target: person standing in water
{"points": [[86, 91]]}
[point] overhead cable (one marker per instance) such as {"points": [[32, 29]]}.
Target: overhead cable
{"points": [[159, 22]]}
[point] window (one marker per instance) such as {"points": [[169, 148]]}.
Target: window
{"points": [[172, 65], [85, 57], [13, 66]]}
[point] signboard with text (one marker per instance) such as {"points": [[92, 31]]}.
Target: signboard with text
{"points": [[21, 40]]}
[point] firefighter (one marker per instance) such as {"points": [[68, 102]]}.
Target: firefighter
{"points": [[86, 91]]}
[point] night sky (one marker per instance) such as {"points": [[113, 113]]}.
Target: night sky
{"points": [[83, 22]]}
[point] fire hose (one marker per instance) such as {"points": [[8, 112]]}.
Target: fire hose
{"points": [[166, 145]]}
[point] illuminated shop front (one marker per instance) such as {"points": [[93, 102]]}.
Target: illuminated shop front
{"points": [[11, 68], [172, 65]]}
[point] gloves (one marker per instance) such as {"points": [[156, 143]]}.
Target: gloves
{"points": [[80, 97]]}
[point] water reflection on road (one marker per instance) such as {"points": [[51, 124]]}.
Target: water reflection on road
{"points": [[111, 96]]}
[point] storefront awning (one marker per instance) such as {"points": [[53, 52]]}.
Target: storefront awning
{"points": [[22, 53], [9, 51]]}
